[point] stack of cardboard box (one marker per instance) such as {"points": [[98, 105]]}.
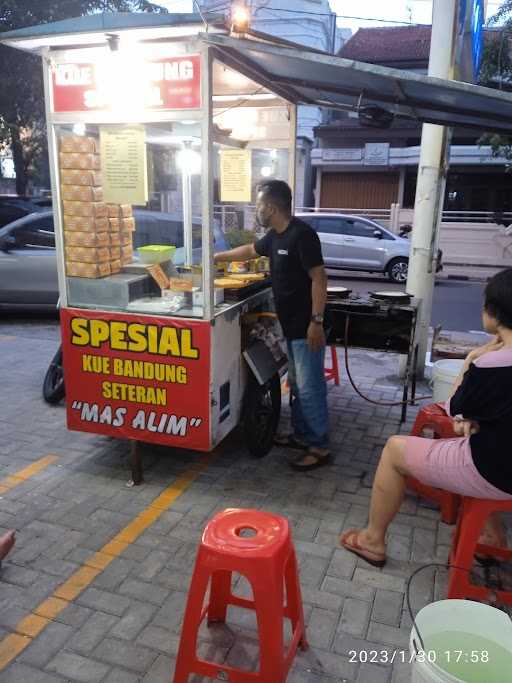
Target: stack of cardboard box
{"points": [[121, 225], [98, 237], [86, 239]]}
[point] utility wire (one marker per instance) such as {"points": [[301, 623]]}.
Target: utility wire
{"points": [[314, 14]]}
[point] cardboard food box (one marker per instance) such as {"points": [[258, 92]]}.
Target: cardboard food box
{"points": [[86, 239], [114, 223], [77, 161], [115, 266], [85, 224], [77, 177], [125, 210], [128, 224], [127, 250], [89, 270], [114, 239], [85, 209], [113, 210], [82, 193], [125, 238], [88, 254], [78, 144], [115, 253], [158, 275]]}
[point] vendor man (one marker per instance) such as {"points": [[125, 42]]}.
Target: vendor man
{"points": [[299, 284]]}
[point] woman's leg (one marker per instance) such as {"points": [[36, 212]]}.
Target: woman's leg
{"points": [[387, 494]]}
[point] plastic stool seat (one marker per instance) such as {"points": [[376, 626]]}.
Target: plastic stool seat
{"points": [[248, 532], [472, 517], [433, 422], [258, 546]]}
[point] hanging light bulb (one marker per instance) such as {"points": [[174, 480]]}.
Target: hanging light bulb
{"points": [[240, 18]]}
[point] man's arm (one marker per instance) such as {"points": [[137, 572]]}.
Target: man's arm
{"points": [[316, 335], [243, 253]]}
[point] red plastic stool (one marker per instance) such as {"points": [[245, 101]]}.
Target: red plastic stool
{"points": [[433, 423], [334, 371], [267, 559], [473, 515]]}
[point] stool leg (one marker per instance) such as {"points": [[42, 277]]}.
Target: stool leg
{"points": [[450, 508], [468, 531], [220, 593], [191, 621], [269, 601], [294, 599], [335, 366]]}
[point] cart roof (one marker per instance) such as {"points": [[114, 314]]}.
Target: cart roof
{"points": [[314, 78], [83, 31], [298, 75]]}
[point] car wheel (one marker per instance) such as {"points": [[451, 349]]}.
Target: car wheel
{"points": [[397, 270]]}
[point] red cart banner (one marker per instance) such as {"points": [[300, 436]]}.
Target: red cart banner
{"points": [[137, 377], [172, 83]]}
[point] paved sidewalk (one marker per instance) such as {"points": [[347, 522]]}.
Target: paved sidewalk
{"points": [[124, 626], [453, 271]]}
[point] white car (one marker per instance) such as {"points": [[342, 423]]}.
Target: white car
{"points": [[358, 243]]}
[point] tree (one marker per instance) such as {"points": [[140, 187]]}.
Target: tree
{"points": [[496, 72], [22, 117]]}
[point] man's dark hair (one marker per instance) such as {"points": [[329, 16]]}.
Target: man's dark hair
{"points": [[498, 297], [277, 192]]}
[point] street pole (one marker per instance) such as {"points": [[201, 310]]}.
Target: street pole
{"points": [[432, 169]]}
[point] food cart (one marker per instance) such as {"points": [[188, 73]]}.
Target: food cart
{"points": [[158, 125], [147, 127]]}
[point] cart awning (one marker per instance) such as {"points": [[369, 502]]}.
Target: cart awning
{"points": [[314, 78], [91, 29]]}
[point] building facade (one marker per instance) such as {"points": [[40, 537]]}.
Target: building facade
{"points": [[368, 168]]}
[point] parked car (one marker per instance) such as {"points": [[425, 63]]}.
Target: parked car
{"points": [[358, 243], [13, 207], [28, 266]]}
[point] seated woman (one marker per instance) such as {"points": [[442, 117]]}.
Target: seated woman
{"points": [[479, 464]]}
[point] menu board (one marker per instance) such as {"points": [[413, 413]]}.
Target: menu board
{"points": [[124, 164], [235, 175]]}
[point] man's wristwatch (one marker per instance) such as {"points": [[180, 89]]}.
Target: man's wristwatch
{"points": [[318, 318]]}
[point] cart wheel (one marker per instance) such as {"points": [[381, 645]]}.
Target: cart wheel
{"points": [[53, 384], [262, 409]]}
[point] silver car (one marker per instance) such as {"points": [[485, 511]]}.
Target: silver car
{"points": [[28, 264], [357, 243]]}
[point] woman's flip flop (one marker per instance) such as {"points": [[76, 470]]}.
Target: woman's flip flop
{"points": [[349, 541]]}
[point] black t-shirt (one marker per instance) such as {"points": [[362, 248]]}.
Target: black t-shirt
{"points": [[485, 397], [292, 254]]}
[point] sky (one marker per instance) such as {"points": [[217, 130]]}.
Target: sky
{"points": [[417, 11]]}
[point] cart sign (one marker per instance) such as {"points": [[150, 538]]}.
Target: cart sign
{"points": [[134, 377], [172, 83]]}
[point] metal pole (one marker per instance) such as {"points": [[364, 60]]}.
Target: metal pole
{"points": [[186, 182], [431, 173], [53, 157], [292, 158], [207, 175]]}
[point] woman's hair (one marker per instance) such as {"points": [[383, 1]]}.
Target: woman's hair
{"points": [[498, 297]]}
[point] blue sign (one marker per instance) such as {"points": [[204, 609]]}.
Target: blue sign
{"points": [[471, 33], [477, 33]]}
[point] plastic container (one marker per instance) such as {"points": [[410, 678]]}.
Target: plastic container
{"points": [[444, 374], [156, 253], [464, 642]]}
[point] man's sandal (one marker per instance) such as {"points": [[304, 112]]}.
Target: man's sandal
{"points": [[290, 441], [312, 459]]}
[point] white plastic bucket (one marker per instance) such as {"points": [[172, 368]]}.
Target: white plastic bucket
{"points": [[466, 630], [444, 374]]}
